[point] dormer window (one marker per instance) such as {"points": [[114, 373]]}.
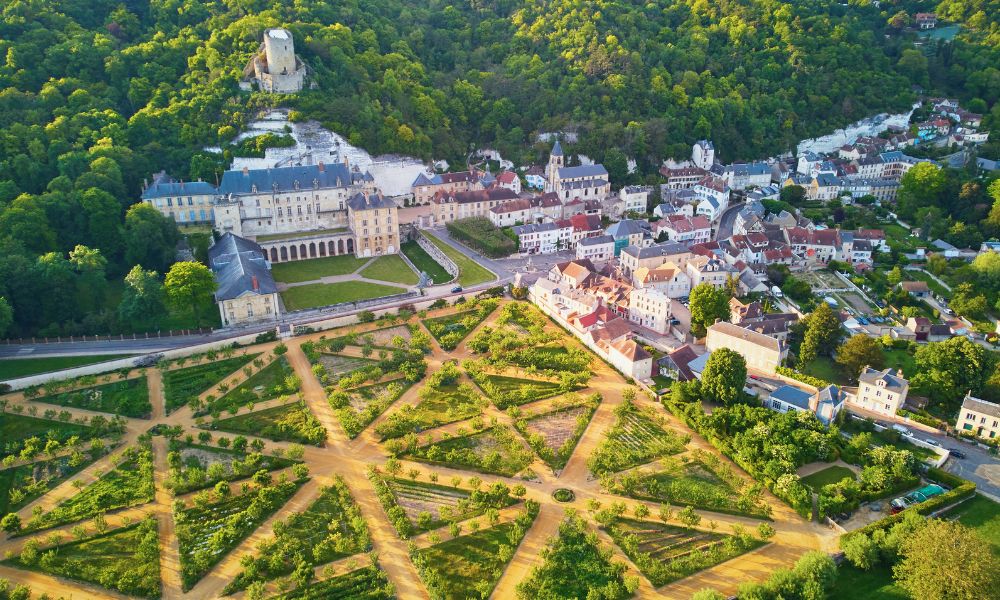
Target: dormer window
{"points": [[296, 184], [253, 188]]}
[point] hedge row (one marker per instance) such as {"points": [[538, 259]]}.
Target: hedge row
{"points": [[816, 382], [480, 234]]}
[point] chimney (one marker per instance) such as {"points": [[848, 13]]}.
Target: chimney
{"points": [[246, 171], [321, 167], [255, 283]]}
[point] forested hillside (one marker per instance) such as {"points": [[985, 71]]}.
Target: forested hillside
{"points": [[95, 95]]}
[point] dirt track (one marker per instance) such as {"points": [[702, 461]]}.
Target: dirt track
{"points": [[350, 459]]}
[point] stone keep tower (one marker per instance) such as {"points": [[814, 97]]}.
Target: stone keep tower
{"points": [[275, 67], [279, 51]]}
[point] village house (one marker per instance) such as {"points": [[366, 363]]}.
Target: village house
{"points": [[740, 176], [668, 278], [630, 232], [632, 258], [883, 392], [702, 269], [675, 365], [599, 248], [184, 202], [816, 246], [703, 154], [925, 20], [633, 199], [542, 238], [509, 180], [535, 177], [677, 228], [526, 210], [714, 197], [246, 291], [761, 352], [917, 289], [979, 417], [682, 178], [452, 206], [650, 308], [428, 185], [825, 403]]}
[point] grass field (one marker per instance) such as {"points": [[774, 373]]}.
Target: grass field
{"points": [[469, 271], [854, 584], [314, 268], [324, 294], [31, 480], [510, 391], [498, 450], [425, 262], [826, 369], [268, 383], [829, 475], [981, 514], [390, 268], [698, 482], [22, 367]]}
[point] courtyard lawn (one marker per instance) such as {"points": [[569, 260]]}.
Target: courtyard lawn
{"points": [[22, 367], [826, 369], [854, 584], [315, 268], [425, 262], [833, 474], [981, 514], [900, 359], [469, 271], [325, 294], [390, 268]]}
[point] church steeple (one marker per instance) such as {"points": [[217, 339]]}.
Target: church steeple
{"points": [[556, 162]]}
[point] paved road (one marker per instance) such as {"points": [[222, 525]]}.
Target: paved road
{"points": [[725, 229]]}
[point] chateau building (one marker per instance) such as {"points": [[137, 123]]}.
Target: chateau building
{"points": [[375, 224], [246, 290], [186, 202]]}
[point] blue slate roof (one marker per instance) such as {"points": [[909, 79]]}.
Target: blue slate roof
{"points": [[596, 240], [583, 171], [792, 395], [282, 179], [369, 202], [697, 365], [163, 189], [557, 149], [236, 263], [627, 227]]}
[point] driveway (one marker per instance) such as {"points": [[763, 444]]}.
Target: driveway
{"points": [[727, 221]]}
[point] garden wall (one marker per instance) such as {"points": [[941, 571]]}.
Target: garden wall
{"points": [[436, 253]]}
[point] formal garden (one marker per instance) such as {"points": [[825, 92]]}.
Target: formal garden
{"points": [[465, 451]]}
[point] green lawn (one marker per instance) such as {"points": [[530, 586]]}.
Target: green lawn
{"points": [[22, 367], [16, 429], [498, 450], [275, 380], [325, 294], [981, 514], [425, 262], [314, 268], [826, 369], [855, 584], [469, 271], [29, 481], [829, 475], [390, 268], [900, 359], [438, 407]]}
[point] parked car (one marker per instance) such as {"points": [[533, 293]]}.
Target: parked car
{"points": [[901, 429], [957, 453], [456, 289], [933, 442], [863, 320]]}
